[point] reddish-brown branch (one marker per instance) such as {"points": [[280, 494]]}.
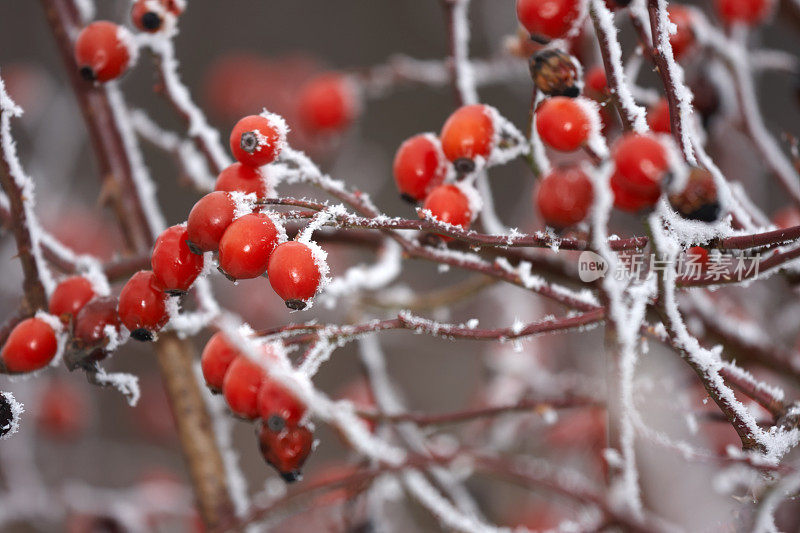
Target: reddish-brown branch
{"points": [[112, 159], [35, 297]]}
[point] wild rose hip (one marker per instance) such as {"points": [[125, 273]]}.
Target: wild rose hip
{"points": [[595, 81], [698, 200], [327, 103], [564, 197], [70, 296], [683, 39], [217, 356], [174, 265], [294, 273], [88, 329], [142, 306], [448, 203], [555, 73], [241, 385], [658, 117], [548, 18], [749, 12], [287, 449], [277, 406], [641, 163], [208, 220], [243, 178], [31, 345], [148, 15], [468, 133], [628, 200], [257, 139], [563, 123], [698, 255], [419, 167], [62, 410], [102, 51], [246, 246]]}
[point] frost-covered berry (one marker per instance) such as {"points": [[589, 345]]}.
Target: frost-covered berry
{"points": [[90, 323], [69, 296], [246, 246], [750, 12], [257, 139], [240, 386], [208, 220], [295, 273], [468, 133], [148, 15], [564, 197], [698, 200], [563, 123], [9, 416], [683, 39], [277, 406], [217, 356], [552, 19], [449, 204], [658, 117], [174, 265], [287, 449], [143, 306], [243, 178], [31, 345], [103, 51], [555, 73], [641, 162], [328, 103], [419, 167]]}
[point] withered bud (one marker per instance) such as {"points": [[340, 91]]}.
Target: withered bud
{"points": [[555, 73], [698, 200]]}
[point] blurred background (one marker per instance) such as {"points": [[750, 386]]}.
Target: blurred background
{"points": [[239, 56]]}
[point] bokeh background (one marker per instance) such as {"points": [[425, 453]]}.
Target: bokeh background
{"points": [[238, 56]]}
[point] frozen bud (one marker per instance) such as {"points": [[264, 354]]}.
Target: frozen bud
{"points": [[555, 73], [706, 98], [698, 200]]}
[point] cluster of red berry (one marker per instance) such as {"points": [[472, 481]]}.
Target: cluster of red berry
{"points": [[252, 394]]}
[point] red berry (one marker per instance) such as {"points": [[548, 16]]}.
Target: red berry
{"points": [[419, 167], [287, 449], [31, 345], [548, 18], [631, 201], [641, 163], [174, 265], [683, 39], [245, 179], [787, 217], [294, 273], [102, 51], [241, 385], [468, 133], [217, 357], [62, 410], [564, 197], [142, 306], [563, 123], [92, 320], [257, 140], [246, 246], [658, 117], [208, 220], [148, 15], [698, 200], [743, 11], [275, 400], [327, 103], [70, 296], [595, 80], [448, 203], [697, 254]]}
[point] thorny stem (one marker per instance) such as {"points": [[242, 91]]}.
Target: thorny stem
{"points": [[35, 297]]}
